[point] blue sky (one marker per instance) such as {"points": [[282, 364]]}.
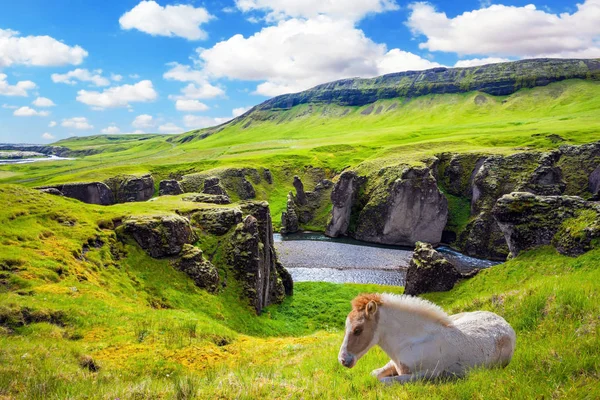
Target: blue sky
{"points": [[90, 67]]}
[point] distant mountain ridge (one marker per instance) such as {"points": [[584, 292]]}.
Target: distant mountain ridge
{"points": [[495, 79]]}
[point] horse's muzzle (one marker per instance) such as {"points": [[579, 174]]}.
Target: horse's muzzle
{"points": [[347, 360]]}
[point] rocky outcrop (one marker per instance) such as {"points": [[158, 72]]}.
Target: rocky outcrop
{"points": [[160, 235], [289, 218], [203, 272], [343, 198], [230, 181], [300, 197], [407, 210], [207, 198], [91, 193], [53, 191], [429, 271], [217, 221], [213, 186], [578, 164], [169, 187], [254, 260], [129, 188], [594, 183], [527, 221], [268, 176]]}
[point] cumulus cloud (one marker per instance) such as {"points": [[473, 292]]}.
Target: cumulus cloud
{"points": [[199, 89], [80, 123], [119, 96], [190, 105], [36, 50], [178, 20], [474, 62], [170, 128], [198, 122], [47, 136], [83, 75], [20, 89], [510, 31], [52, 124], [9, 106], [116, 77], [110, 130], [297, 54], [236, 112], [43, 102], [143, 121], [29, 112], [340, 9]]}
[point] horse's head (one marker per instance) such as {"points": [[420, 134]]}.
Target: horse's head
{"points": [[361, 329]]}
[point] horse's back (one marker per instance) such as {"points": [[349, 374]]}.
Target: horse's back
{"points": [[489, 330]]}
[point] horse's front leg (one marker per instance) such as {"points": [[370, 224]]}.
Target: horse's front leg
{"points": [[407, 378], [388, 369]]}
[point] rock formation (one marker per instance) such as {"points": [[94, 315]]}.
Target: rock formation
{"points": [[169, 187], [129, 188], [160, 235], [254, 260], [202, 272], [429, 271], [594, 183], [300, 197], [409, 210], [289, 218], [207, 198], [268, 176], [217, 221], [92, 192], [527, 221], [343, 198], [213, 185]]}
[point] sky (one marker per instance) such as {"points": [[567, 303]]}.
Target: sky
{"points": [[76, 68]]}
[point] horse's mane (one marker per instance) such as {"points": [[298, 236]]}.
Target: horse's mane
{"points": [[416, 305]]}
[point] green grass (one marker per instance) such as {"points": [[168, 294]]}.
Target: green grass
{"points": [[153, 334]]}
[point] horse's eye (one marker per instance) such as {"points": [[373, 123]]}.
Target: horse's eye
{"points": [[357, 331]]}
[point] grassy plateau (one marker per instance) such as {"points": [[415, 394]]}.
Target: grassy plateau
{"points": [[84, 315]]}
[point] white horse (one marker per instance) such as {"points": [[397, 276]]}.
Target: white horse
{"points": [[423, 341]]}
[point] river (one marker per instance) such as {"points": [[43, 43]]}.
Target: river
{"points": [[5, 161], [316, 257]]}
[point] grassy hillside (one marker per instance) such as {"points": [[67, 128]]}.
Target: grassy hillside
{"points": [[334, 137], [110, 322]]}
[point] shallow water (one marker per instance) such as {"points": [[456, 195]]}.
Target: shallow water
{"points": [[315, 257], [32, 160]]}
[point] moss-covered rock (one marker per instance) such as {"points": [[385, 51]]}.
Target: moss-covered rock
{"points": [[202, 272], [128, 188], [87, 192], [429, 271], [217, 221], [207, 198], [169, 187], [343, 197], [160, 235], [569, 223]]}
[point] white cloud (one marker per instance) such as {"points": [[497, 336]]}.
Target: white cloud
{"points": [[143, 121], [199, 89], [20, 89], [297, 54], [190, 105], [83, 75], [36, 50], [198, 122], [80, 123], [111, 130], [119, 96], [509, 31], [480, 61], [134, 76], [9, 107], [340, 9], [116, 77], [236, 112], [52, 124], [48, 136], [178, 20], [170, 128], [29, 112], [43, 102]]}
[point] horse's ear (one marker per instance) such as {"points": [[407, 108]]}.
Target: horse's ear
{"points": [[371, 309]]}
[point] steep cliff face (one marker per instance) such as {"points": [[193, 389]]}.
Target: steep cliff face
{"points": [[399, 205]]}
